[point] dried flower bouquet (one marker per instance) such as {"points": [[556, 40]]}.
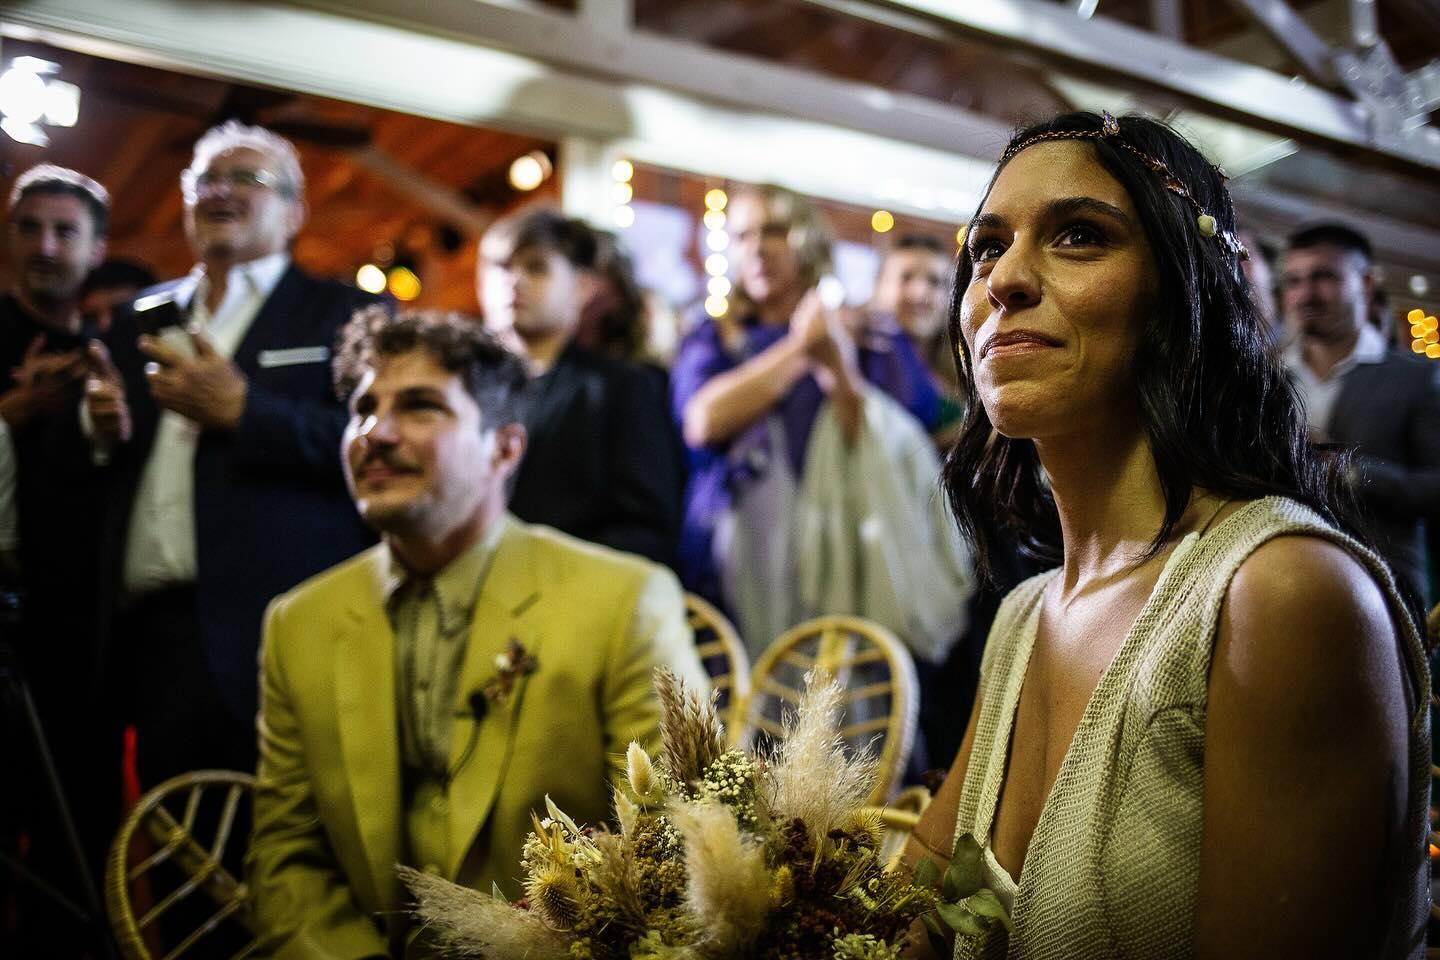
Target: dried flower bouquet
{"points": [[717, 854]]}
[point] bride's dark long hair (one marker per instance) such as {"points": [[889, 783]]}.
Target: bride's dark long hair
{"points": [[1217, 408]]}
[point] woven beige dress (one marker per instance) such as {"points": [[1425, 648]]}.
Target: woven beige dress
{"points": [[1114, 861]]}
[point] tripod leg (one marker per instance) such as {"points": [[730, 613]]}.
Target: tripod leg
{"points": [[95, 919]]}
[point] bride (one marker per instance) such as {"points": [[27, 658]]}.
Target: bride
{"points": [[1205, 733]]}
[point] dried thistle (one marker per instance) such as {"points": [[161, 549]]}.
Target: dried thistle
{"points": [[466, 922], [554, 896], [865, 827], [689, 728], [812, 777], [729, 887]]}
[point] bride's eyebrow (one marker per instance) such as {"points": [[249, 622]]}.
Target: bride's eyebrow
{"points": [[1055, 210]]}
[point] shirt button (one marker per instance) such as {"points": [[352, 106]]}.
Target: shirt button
{"points": [[437, 803], [432, 869]]}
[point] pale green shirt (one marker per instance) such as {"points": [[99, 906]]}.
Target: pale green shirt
{"points": [[431, 618]]}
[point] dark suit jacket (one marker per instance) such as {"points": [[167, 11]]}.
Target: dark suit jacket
{"points": [[603, 462], [59, 501], [271, 508], [1389, 412]]}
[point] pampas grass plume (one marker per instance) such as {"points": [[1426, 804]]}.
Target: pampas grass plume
{"points": [[812, 777], [468, 922], [729, 889]]}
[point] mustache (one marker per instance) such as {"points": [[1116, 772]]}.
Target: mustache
{"points": [[40, 260], [388, 460]]}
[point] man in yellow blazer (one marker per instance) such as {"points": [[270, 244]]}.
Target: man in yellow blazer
{"points": [[421, 699]]}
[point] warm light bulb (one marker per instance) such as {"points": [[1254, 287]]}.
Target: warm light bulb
{"points": [[624, 216], [622, 193], [404, 284], [529, 171], [716, 265], [370, 278], [718, 286], [882, 221], [714, 219], [622, 171], [960, 236], [717, 240], [1416, 315], [1417, 345], [716, 199], [716, 306]]}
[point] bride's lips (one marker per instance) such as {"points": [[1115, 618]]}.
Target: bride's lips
{"points": [[1016, 341]]}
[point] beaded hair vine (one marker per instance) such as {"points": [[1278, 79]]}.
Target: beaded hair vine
{"points": [[1110, 132]]}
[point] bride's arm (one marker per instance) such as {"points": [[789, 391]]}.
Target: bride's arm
{"points": [[934, 835], [1306, 761]]}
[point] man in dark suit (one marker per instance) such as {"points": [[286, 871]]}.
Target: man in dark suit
{"points": [[603, 462], [215, 405], [1361, 394]]}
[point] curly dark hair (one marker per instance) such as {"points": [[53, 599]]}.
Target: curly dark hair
{"points": [[492, 374], [1216, 405]]}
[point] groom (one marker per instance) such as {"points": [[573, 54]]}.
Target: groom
{"points": [[419, 700]]}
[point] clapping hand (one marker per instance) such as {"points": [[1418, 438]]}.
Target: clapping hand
{"points": [[206, 387], [43, 383], [105, 397], [825, 337]]}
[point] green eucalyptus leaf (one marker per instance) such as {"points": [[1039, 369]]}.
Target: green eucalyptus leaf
{"points": [[961, 920], [926, 873], [964, 876], [984, 903]]}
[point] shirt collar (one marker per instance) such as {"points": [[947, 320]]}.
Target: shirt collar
{"points": [[1370, 347], [457, 584], [262, 274]]}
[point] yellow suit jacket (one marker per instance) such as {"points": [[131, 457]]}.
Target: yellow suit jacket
{"points": [[329, 822]]}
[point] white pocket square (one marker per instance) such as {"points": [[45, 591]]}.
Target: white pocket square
{"points": [[293, 356]]}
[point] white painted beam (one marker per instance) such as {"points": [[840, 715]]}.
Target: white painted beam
{"points": [[1285, 28], [329, 54], [1124, 54]]}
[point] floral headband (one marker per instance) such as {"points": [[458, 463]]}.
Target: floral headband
{"points": [[1110, 132]]}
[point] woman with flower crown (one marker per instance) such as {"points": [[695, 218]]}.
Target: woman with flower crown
{"points": [[1205, 733]]}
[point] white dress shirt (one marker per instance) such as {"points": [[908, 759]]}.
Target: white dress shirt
{"points": [[161, 549], [1318, 396]]}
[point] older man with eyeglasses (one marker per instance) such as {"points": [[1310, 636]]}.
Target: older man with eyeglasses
{"points": [[212, 399]]}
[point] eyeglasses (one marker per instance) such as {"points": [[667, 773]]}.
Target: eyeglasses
{"points": [[238, 179]]}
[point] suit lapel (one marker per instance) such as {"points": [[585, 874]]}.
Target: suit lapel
{"points": [[369, 741], [278, 322], [501, 614]]}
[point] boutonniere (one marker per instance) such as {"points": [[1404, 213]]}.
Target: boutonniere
{"points": [[514, 663]]}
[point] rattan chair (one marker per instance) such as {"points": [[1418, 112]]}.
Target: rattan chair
{"points": [[900, 818], [881, 700], [724, 659], [168, 864]]}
